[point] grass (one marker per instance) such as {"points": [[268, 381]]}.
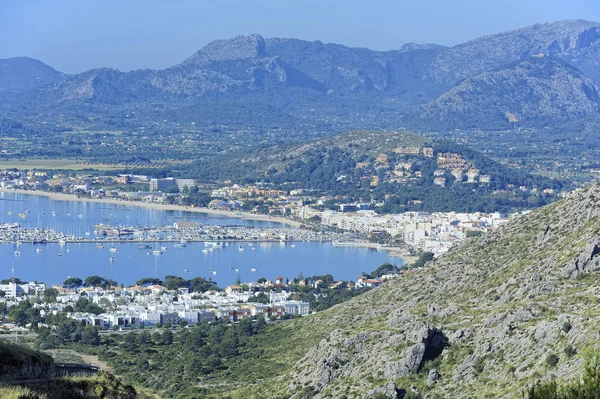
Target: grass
{"points": [[16, 392]]}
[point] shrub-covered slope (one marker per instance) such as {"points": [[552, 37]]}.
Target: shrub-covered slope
{"points": [[485, 320]]}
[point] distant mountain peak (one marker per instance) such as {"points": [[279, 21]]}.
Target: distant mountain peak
{"points": [[239, 47], [24, 73], [421, 46]]}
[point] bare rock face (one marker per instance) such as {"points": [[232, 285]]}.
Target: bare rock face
{"points": [[588, 261], [339, 356], [432, 377]]}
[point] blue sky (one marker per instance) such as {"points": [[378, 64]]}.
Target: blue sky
{"points": [[76, 35]]}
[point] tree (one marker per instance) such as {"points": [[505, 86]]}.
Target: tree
{"points": [[423, 259], [2, 294], [385, 268], [95, 281], [149, 281], [167, 337], [72, 282], [144, 338], [50, 295], [174, 282], [130, 342], [90, 336]]}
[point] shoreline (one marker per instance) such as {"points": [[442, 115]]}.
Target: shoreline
{"points": [[395, 252], [165, 207]]}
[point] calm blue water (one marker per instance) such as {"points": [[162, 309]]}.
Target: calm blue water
{"points": [[132, 263]]}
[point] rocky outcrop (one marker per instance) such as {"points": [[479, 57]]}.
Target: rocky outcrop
{"points": [[588, 261]]}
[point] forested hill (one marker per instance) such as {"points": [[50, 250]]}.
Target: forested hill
{"points": [[409, 171]]}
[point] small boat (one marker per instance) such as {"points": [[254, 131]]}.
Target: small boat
{"points": [[10, 212], [38, 250], [179, 245], [59, 254], [254, 249], [113, 249], [87, 233], [252, 269], [81, 215], [68, 250], [293, 246], [157, 252], [214, 273], [211, 269], [100, 246], [17, 253], [241, 249], [112, 259], [54, 213], [19, 242], [205, 251], [237, 270], [186, 271], [144, 246], [163, 248], [62, 242]]}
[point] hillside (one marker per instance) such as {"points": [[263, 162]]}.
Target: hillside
{"points": [[304, 83], [575, 41], [22, 73], [27, 374], [483, 321], [535, 92], [405, 170]]}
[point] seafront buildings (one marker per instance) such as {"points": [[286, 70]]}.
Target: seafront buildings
{"points": [[421, 231], [138, 306]]}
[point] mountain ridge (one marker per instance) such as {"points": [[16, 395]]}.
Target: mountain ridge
{"points": [[535, 91], [309, 80]]}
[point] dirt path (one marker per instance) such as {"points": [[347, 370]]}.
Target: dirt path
{"points": [[93, 360]]}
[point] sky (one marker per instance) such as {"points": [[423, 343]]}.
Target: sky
{"points": [[77, 35]]}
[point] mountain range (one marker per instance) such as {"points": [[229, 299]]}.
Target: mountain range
{"points": [[511, 76]]}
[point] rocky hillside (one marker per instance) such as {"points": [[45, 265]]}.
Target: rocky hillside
{"points": [[538, 91], [485, 320], [575, 41]]}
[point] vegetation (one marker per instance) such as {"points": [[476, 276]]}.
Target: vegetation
{"points": [[585, 387]]}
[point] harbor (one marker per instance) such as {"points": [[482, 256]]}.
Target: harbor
{"points": [[14, 233], [58, 239]]}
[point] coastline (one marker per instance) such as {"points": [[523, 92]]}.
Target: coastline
{"points": [[165, 207], [395, 252]]}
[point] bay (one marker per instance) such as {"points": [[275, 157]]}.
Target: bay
{"points": [[55, 262]]}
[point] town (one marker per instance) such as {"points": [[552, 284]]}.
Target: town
{"points": [[103, 303], [329, 218]]}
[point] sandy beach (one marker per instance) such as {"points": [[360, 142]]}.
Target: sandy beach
{"points": [[232, 214]]}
